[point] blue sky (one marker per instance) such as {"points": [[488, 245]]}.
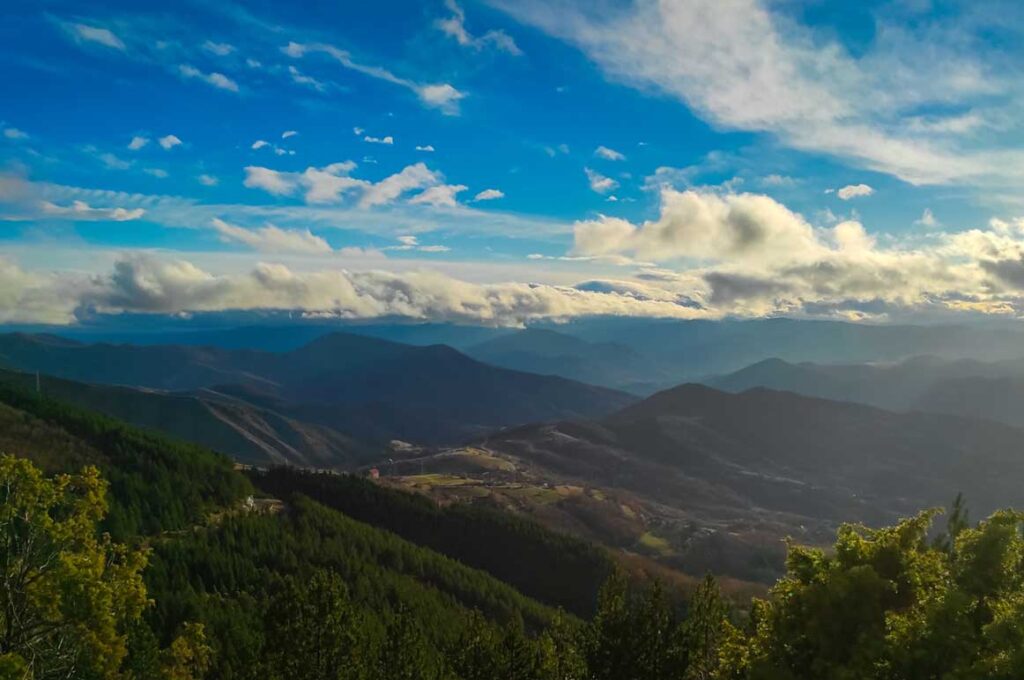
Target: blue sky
{"points": [[509, 160]]}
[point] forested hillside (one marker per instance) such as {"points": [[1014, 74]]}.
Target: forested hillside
{"points": [[551, 567], [156, 483]]}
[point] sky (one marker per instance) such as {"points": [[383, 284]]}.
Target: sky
{"points": [[506, 161]]}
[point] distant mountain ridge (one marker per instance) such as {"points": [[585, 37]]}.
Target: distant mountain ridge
{"points": [[992, 390], [646, 355], [360, 387]]}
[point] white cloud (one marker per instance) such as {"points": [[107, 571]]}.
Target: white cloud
{"points": [[927, 219], [442, 96], [271, 181], [409, 242], [455, 27], [428, 148], [208, 180], [331, 183], [259, 144], [95, 34], [854, 191], [143, 284], [29, 297], [137, 143], [272, 239], [599, 182], [757, 68], [303, 79], [169, 142], [82, 211], [389, 140], [218, 80], [443, 195], [15, 133], [358, 131], [159, 173], [703, 226], [412, 177], [776, 180], [288, 133], [113, 162], [489, 195], [219, 49], [608, 154]]}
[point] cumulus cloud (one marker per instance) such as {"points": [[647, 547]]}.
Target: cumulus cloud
{"points": [[854, 191], [15, 133], [288, 133], [750, 255], [599, 182], [218, 80], [29, 297], [159, 173], [442, 195], [489, 195], [82, 211], [454, 27], [441, 96], [208, 180], [389, 140], [428, 148], [609, 154], [331, 183], [169, 142], [703, 226], [137, 143], [143, 284], [412, 177], [259, 144], [272, 239]]}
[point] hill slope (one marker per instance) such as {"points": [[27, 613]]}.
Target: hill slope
{"points": [[760, 465], [548, 352], [231, 426]]}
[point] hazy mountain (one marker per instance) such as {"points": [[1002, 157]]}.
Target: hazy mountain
{"points": [[283, 336], [687, 350], [651, 354], [1000, 399], [965, 387], [368, 388], [548, 352]]}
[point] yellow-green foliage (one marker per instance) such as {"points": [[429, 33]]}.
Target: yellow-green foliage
{"points": [[888, 603], [68, 592]]}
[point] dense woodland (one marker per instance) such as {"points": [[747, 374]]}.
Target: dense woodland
{"points": [[140, 559]]}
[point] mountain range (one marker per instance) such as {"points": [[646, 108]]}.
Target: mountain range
{"points": [[992, 390], [338, 389], [637, 355]]}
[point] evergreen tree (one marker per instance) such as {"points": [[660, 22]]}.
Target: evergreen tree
{"points": [[315, 631]]}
